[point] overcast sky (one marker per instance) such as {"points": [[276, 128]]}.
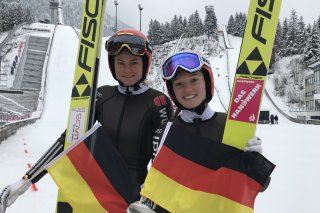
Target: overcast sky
{"points": [[164, 10]]}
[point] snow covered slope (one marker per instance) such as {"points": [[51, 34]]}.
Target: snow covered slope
{"points": [[294, 148]]}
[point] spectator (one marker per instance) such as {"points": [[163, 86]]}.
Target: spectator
{"points": [[272, 119], [276, 119]]}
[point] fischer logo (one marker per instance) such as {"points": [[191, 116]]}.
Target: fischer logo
{"points": [[76, 126], [88, 33], [262, 13]]}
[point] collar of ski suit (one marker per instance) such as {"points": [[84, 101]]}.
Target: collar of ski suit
{"points": [[188, 116], [134, 90]]}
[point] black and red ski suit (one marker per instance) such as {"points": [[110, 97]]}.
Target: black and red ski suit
{"points": [[130, 116], [131, 120]]}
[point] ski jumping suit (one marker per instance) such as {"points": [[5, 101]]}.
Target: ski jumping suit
{"points": [[130, 116], [131, 121]]}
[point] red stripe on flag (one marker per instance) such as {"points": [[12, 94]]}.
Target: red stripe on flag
{"points": [[225, 182], [91, 172]]}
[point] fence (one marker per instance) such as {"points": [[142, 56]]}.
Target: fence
{"points": [[11, 128], [315, 122], [8, 129]]}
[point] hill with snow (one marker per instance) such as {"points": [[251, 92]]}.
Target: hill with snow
{"points": [[294, 148]]}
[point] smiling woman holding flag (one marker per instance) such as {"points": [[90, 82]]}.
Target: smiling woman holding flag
{"points": [[193, 171]]}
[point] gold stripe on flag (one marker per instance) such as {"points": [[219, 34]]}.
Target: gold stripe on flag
{"points": [[186, 200], [75, 188]]}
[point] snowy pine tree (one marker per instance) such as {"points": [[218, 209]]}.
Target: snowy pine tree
{"points": [[230, 26], [312, 50], [191, 26], [175, 28], [182, 27], [318, 24], [185, 25], [210, 25], [198, 27], [242, 22], [237, 24], [277, 46], [301, 35], [167, 33], [291, 36], [285, 30], [155, 32], [13, 13]]}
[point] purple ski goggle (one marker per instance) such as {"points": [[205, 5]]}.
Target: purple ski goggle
{"points": [[189, 61]]}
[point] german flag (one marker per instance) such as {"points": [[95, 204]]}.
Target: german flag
{"points": [[192, 174], [93, 177]]}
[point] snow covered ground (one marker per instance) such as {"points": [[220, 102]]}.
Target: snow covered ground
{"points": [[3, 36], [294, 148]]}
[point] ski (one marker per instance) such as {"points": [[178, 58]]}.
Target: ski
{"points": [[82, 103], [251, 72]]}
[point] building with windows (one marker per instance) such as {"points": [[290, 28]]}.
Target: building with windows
{"points": [[311, 111], [309, 92], [312, 91]]}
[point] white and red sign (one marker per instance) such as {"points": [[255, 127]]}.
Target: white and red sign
{"points": [[246, 100]]}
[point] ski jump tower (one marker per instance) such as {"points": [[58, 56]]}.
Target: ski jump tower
{"points": [[209, 9], [56, 12]]}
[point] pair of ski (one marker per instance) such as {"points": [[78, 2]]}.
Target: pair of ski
{"points": [[248, 86], [82, 103]]}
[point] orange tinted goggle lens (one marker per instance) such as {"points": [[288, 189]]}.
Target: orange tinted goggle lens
{"points": [[134, 44]]}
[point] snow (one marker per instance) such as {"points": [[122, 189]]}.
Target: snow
{"points": [[3, 36], [292, 147]]}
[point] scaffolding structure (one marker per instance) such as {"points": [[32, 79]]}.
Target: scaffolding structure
{"points": [[56, 12], [209, 9]]}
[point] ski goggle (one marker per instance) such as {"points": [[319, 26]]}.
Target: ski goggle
{"points": [[135, 44], [189, 61]]}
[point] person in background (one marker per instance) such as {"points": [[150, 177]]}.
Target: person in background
{"points": [[272, 118], [276, 119], [129, 112]]}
